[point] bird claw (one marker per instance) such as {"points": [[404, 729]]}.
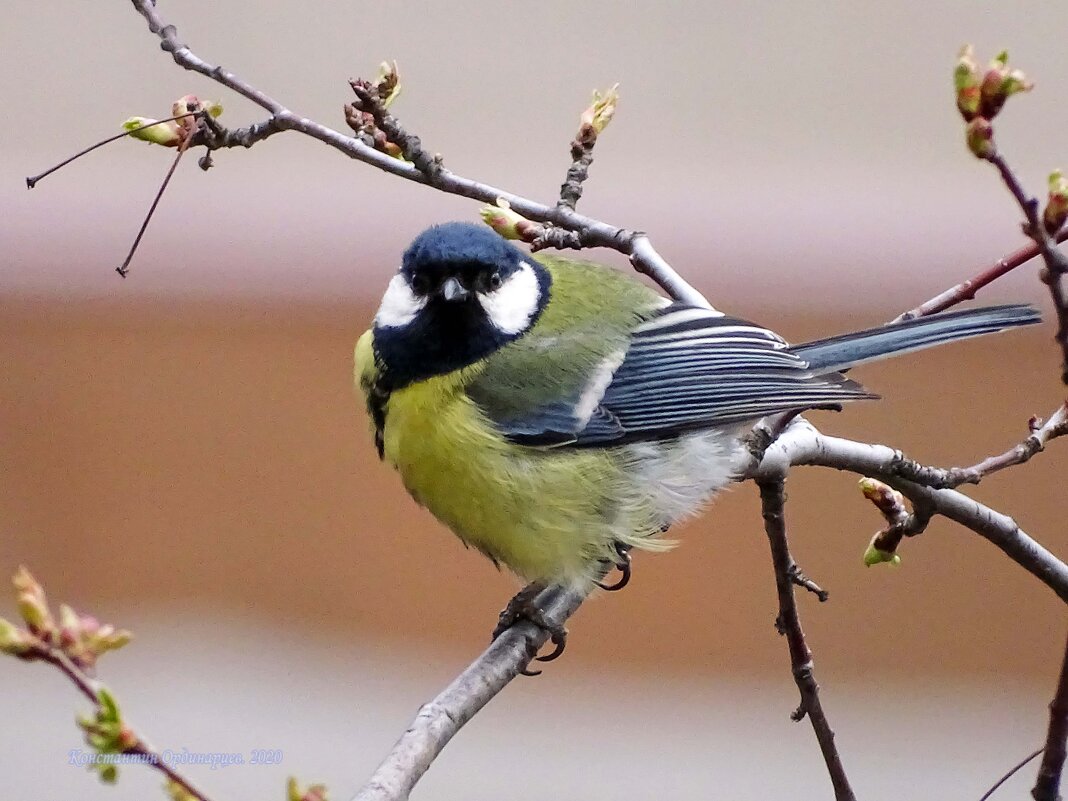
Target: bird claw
{"points": [[623, 566], [522, 607]]}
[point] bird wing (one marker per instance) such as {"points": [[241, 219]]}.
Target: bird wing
{"points": [[683, 369]]}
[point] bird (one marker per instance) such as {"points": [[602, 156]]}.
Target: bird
{"points": [[557, 414]]}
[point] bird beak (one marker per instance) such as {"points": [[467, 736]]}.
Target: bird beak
{"points": [[452, 289]]}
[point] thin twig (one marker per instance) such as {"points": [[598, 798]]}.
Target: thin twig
{"points": [[798, 577], [788, 623], [1056, 425], [410, 145], [1011, 772], [579, 171], [32, 180], [124, 268], [1048, 784], [900, 522], [1056, 262], [966, 289], [90, 688], [634, 244]]}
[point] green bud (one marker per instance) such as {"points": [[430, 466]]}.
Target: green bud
{"points": [[31, 601], [13, 640], [109, 708], [875, 556], [110, 640], [508, 223], [967, 83], [109, 774], [1056, 212], [601, 111], [999, 84], [388, 83], [175, 792], [317, 792], [164, 133], [979, 136]]}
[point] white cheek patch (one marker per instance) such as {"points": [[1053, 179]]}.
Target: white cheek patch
{"points": [[399, 305], [513, 305]]}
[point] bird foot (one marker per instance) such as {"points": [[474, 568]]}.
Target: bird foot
{"points": [[523, 607], [623, 566]]}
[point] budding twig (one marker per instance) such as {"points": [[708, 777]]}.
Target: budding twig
{"points": [[1056, 263], [593, 121], [900, 522], [595, 233], [802, 444], [980, 98], [72, 643], [31, 181]]}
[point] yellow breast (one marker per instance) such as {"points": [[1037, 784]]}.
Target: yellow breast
{"points": [[548, 515]]}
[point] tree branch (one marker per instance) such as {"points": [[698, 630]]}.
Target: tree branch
{"points": [[966, 289], [942, 478], [92, 689], [802, 444], [440, 719], [788, 623], [1047, 786], [594, 233], [1056, 262]]}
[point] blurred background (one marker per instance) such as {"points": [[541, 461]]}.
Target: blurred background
{"points": [[183, 453]]}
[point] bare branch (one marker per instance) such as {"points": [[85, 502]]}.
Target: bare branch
{"points": [[801, 444], [124, 268], [788, 623], [594, 233], [440, 719], [1047, 786], [966, 289], [941, 478]]}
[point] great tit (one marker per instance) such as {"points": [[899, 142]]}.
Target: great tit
{"points": [[557, 413]]}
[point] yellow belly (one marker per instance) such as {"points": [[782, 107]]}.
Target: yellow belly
{"points": [[549, 515]]}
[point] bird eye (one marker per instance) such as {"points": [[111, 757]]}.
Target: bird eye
{"points": [[495, 281], [420, 283]]}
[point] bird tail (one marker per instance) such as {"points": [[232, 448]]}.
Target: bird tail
{"points": [[848, 350]]}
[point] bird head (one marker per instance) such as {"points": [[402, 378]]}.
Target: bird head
{"points": [[461, 293]]}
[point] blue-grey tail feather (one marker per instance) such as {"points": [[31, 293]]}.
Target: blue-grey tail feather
{"points": [[849, 350]]}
